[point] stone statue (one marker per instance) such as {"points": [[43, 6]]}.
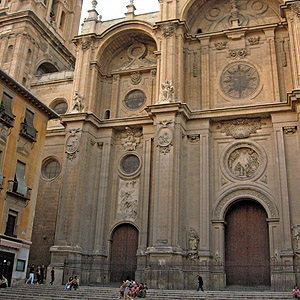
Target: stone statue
{"points": [[193, 240], [78, 103], [296, 237], [167, 92]]}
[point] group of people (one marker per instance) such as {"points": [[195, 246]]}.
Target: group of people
{"points": [[40, 274], [131, 289], [72, 283]]}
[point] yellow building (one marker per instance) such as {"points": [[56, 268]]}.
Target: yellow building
{"points": [[23, 123]]}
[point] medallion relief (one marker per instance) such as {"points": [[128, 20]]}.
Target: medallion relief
{"points": [[244, 161], [72, 144], [165, 137], [239, 81]]}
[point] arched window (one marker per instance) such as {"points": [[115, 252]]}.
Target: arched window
{"points": [[28, 58], [9, 53], [107, 114], [46, 68]]}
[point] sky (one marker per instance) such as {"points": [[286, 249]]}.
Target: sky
{"points": [[113, 9]]}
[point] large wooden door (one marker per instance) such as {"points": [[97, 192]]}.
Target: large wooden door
{"points": [[247, 245], [123, 253]]}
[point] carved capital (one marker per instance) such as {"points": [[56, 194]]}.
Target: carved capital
{"points": [[296, 9]]}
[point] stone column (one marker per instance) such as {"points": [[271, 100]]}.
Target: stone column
{"points": [[205, 88], [165, 250], [204, 183], [286, 253]]}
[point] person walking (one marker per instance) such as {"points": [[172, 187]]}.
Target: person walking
{"points": [[31, 275], [42, 273], [52, 276], [200, 284]]}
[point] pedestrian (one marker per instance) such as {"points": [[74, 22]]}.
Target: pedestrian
{"points": [[296, 292], [200, 284], [42, 273], [31, 275], [38, 275], [52, 276]]}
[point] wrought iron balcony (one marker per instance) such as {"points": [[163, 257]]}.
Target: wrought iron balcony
{"points": [[6, 118], [28, 132], [14, 189]]}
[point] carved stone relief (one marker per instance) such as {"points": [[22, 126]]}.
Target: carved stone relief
{"points": [[130, 138], [72, 144], [85, 44], [244, 161], [244, 193], [168, 92], [193, 244], [238, 53], [296, 9], [168, 30], [136, 78], [128, 199], [289, 130], [296, 238], [239, 81], [165, 137], [241, 128], [220, 45], [194, 138], [254, 40], [138, 55]]}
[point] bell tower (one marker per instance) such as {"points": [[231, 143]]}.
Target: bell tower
{"points": [[36, 37]]}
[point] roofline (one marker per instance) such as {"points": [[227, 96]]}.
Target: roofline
{"points": [[21, 90]]}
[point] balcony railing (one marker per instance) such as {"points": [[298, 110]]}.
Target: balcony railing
{"points": [[5, 118], [12, 189], [28, 132]]}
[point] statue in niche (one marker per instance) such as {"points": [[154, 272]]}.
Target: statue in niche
{"points": [[193, 240], [168, 93], [78, 105]]}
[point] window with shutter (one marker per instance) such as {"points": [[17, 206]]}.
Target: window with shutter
{"points": [[20, 185]]}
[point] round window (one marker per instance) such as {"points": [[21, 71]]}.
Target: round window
{"points": [[130, 164], [51, 169], [60, 107], [135, 99]]}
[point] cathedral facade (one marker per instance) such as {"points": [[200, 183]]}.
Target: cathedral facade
{"points": [[177, 151]]}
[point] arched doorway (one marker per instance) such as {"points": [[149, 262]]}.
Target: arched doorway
{"points": [[247, 252], [123, 253]]}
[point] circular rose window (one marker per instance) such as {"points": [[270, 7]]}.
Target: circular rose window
{"points": [[239, 81], [130, 164], [51, 169], [135, 99]]}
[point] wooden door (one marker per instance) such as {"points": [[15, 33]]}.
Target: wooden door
{"points": [[123, 253], [247, 245]]}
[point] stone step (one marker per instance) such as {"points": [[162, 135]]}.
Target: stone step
{"points": [[43, 292]]}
